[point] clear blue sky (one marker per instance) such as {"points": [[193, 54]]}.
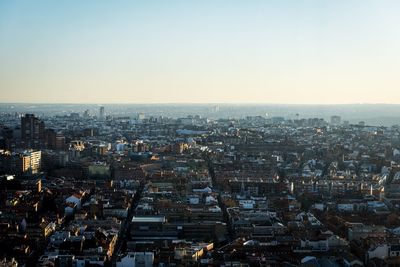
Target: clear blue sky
{"points": [[324, 52]]}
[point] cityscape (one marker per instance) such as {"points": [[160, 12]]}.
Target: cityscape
{"points": [[199, 133], [97, 189]]}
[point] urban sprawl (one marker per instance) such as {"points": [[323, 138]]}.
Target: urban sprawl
{"points": [[87, 189]]}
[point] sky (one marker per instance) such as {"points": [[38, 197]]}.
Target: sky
{"points": [[208, 51]]}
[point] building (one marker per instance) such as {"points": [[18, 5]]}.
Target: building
{"points": [[60, 142], [336, 120], [27, 162], [86, 114], [6, 138], [53, 140], [101, 115], [33, 159], [137, 259], [32, 131], [50, 138], [99, 170]]}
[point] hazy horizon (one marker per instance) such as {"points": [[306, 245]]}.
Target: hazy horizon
{"points": [[273, 52], [199, 103], [372, 114]]}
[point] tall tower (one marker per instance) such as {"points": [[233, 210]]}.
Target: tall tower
{"points": [[32, 131], [101, 113]]}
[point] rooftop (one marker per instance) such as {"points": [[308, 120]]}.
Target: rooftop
{"points": [[148, 219]]}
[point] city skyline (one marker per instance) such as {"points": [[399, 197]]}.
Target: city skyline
{"points": [[199, 133], [310, 52]]}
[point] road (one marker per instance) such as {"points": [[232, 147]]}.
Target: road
{"points": [[124, 231]]}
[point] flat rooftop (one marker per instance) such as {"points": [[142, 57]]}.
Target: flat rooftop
{"points": [[148, 219]]}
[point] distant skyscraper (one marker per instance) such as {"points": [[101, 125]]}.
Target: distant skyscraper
{"points": [[336, 120], [101, 113], [86, 114], [32, 131]]}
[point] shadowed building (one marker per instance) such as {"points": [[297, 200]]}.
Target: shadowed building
{"points": [[32, 131]]}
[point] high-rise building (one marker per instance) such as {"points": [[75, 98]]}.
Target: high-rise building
{"points": [[6, 138], [32, 131], [50, 138], [86, 114], [101, 113], [54, 140], [26, 162], [33, 159], [336, 120], [60, 141]]}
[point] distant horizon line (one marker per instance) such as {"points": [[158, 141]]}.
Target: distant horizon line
{"points": [[193, 103]]}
